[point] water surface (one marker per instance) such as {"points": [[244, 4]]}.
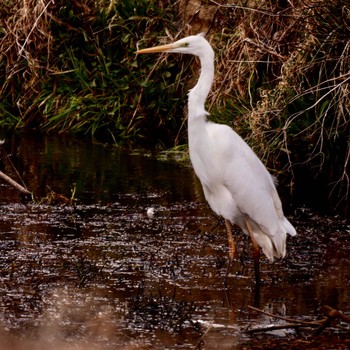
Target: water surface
{"points": [[98, 273]]}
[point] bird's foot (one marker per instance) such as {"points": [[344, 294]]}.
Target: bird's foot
{"points": [[229, 267]]}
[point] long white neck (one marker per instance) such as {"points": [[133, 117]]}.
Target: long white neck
{"points": [[199, 93]]}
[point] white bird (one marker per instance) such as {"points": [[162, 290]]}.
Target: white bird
{"points": [[235, 182]]}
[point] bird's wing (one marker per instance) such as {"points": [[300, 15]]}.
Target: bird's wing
{"points": [[249, 182], [249, 185]]}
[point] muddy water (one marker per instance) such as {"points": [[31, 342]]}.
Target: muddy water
{"points": [[98, 273]]}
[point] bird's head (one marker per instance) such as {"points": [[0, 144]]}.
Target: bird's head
{"points": [[194, 44]]}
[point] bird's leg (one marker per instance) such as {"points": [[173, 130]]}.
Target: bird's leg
{"points": [[256, 253], [231, 247]]}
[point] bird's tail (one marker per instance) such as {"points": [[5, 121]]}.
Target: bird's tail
{"points": [[289, 227], [276, 246], [273, 246]]}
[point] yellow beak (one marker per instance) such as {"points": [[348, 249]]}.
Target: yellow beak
{"points": [[160, 48]]}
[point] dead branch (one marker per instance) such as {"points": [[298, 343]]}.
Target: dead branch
{"points": [[202, 337], [265, 48], [280, 326], [321, 325], [332, 314], [13, 183], [288, 319]]}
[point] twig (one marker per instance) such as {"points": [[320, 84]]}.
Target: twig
{"points": [[332, 314], [33, 27], [13, 183], [267, 13], [329, 311], [265, 48], [321, 325], [203, 335], [280, 326], [288, 319]]}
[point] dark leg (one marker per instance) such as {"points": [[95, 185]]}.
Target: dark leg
{"points": [[231, 247], [256, 253]]}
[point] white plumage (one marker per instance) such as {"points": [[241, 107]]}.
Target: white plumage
{"points": [[236, 184]]}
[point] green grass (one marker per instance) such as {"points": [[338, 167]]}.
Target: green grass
{"points": [[83, 75]]}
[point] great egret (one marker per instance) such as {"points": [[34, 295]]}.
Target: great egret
{"points": [[235, 182]]}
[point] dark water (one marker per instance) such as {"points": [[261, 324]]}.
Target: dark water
{"points": [[98, 273]]}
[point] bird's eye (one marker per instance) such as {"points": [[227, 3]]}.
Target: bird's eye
{"points": [[186, 44]]}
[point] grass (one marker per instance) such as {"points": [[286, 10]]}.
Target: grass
{"points": [[71, 67]]}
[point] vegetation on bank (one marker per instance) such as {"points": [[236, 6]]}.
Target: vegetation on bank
{"points": [[70, 66], [282, 73]]}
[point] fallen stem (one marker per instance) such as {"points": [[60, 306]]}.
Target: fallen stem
{"points": [[202, 337], [321, 325], [288, 319], [280, 326], [330, 312], [13, 183]]}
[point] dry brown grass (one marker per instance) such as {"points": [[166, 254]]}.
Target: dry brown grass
{"points": [[26, 41], [285, 67]]}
